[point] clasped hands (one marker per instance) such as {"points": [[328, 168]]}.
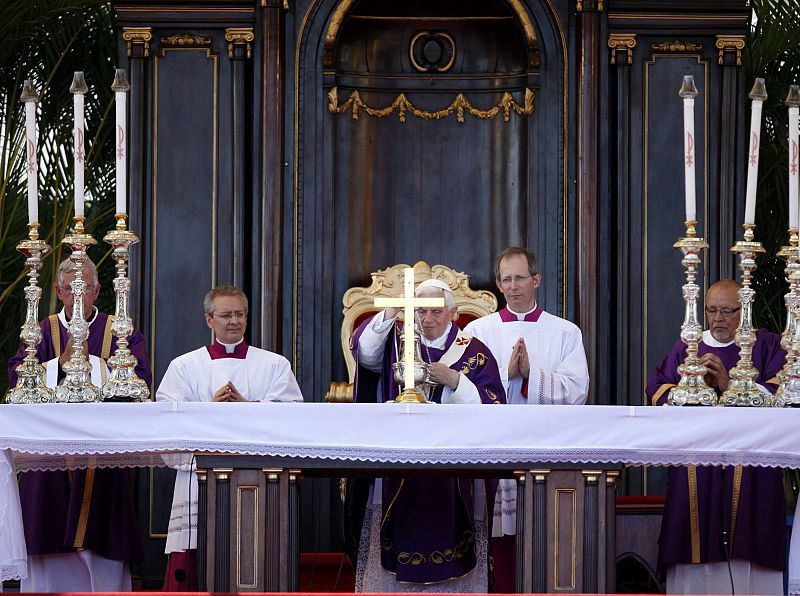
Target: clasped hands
{"points": [[228, 392], [519, 365], [717, 376]]}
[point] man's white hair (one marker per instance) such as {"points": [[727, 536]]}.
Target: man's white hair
{"points": [[67, 266], [434, 288]]}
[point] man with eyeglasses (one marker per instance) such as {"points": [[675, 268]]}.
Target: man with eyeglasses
{"points": [[80, 526], [229, 370], [716, 516], [542, 361]]}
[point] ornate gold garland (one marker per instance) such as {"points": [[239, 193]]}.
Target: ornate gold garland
{"points": [[459, 106]]}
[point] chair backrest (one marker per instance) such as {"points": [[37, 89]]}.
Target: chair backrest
{"points": [[359, 303]]}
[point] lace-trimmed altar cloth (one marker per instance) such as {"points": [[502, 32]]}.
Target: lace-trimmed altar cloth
{"points": [[67, 436]]}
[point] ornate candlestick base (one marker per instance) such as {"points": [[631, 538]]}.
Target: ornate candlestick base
{"points": [[31, 388], [123, 384], [78, 388], [743, 390], [692, 389], [788, 394], [411, 396]]}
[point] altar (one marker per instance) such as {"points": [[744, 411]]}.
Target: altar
{"points": [[296, 437]]}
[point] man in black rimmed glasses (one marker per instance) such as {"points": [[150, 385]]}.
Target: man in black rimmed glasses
{"points": [[715, 516], [229, 370]]}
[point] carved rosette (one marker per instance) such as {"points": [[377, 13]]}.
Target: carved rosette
{"points": [[676, 46]]}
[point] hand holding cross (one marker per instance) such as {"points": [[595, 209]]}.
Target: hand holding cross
{"points": [[408, 302]]}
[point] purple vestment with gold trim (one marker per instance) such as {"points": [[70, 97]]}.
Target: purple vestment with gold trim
{"points": [[91, 509], [746, 504], [427, 528]]}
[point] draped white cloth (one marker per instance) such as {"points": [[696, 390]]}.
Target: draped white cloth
{"points": [[63, 436]]}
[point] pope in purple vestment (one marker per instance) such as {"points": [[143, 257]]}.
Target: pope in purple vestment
{"points": [[427, 528], [82, 509], [741, 506]]}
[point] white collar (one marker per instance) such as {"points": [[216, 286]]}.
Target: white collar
{"points": [[439, 342], [521, 315], [709, 340], [230, 348], [62, 316]]}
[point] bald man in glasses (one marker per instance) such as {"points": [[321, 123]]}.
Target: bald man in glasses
{"points": [[714, 516]]}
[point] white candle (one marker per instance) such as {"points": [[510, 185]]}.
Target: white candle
{"points": [[793, 102], [758, 94], [688, 92], [78, 88], [29, 97], [120, 88]]}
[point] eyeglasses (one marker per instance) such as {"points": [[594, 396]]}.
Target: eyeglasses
{"points": [[227, 316], [506, 281], [712, 311]]}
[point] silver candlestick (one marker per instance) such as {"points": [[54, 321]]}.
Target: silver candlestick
{"points": [[789, 390], [692, 389], [31, 387], [123, 384], [78, 387], [742, 390]]}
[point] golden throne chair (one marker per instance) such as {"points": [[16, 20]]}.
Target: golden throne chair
{"points": [[359, 305]]}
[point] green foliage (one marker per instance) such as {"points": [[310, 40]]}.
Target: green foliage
{"points": [[47, 41], [772, 52]]}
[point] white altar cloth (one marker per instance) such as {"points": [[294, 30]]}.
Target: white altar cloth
{"points": [[64, 436]]}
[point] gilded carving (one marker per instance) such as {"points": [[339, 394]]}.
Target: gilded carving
{"points": [[676, 46], [730, 43], [459, 106], [187, 39], [239, 36], [589, 5], [622, 42], [517, 6], [138, 36]]}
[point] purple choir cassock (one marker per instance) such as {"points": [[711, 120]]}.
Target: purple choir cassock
{"points": [[82, 509], [747, 503], [428, 531]]}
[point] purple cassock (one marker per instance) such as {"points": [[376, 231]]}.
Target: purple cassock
{"points": [[83, 509], [428, 531], [745, 503]]}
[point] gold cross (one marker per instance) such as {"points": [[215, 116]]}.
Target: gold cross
{"points": [[408, 302]]}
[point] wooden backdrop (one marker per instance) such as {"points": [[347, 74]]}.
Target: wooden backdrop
{"points": [[240, 172]]}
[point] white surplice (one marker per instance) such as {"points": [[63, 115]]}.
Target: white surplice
{"points": [[558, 375], [260, 376]]}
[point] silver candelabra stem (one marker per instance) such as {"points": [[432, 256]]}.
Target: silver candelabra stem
{"points": [[742, 390], [788, 393], [123, 384], [31, 387], [691, 389], [78, 387]]}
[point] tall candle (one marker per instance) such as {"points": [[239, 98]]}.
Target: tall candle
{"points": [[758, 94], [78, 89], [793, 103], [120, 88], [29, 97], [688, 92]]}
